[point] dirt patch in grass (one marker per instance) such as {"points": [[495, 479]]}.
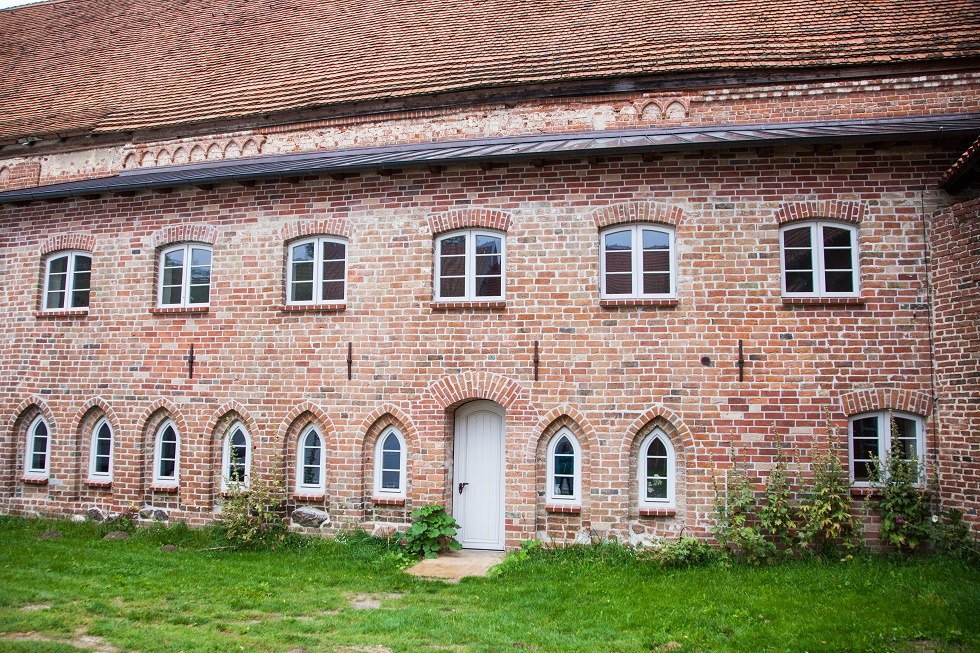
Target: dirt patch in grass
{"points": [[362, 649], [370, 601], [80, 640], [36, 607]]}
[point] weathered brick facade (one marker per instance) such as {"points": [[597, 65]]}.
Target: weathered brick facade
{"points": [[608, 370]]}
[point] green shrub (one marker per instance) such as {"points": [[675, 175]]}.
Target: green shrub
{"points": [[516, 559], [254, 517], [903, 502], [683, 552], [433, 531], [952, 536], [737, 526], [828, 526], [778, 517]]}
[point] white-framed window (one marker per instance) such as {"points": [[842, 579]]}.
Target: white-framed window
{"points": [[236, 458], [67, 280], [637, 261], [100, 454], [872, 435], [470, 265], [656, 470], [316, 272], [310, 462], [37, 452], [166, 455], [819, 259], [564, 468], [389, 463], [185, 276]]}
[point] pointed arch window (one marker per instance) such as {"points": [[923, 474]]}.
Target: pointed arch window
{"points": [[389, 464], [310, 462], [564, 468], [236, 459], [656, 470], [36, 453], [100, 455], [166, 455]]}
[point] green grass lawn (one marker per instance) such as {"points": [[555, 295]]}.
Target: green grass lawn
{"points": [[131, 596]]}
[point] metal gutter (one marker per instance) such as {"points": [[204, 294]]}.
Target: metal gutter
{"points": [[548, 146]]}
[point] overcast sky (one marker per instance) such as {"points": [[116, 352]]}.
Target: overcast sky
{"points": [[13, 3]]}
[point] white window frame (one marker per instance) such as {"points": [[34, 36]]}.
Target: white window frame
{"points": [[185, 292], [93, 450], [636, 231], [29, 470], [380, 491], [72, 255], [817, 248], [226, 483], [301, 487], [166, 481], [317, 270], [641, 470], [576, 497], [469, 269], [885, 440]]}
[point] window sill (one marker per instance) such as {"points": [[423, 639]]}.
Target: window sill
{"points": [[308, 497], [34, 480], [461, 306], [180, 310], [53, 315], [314, 308], [823, 301], [865, 492], [99, 485], [563, 509], [388, 501], [667, 302], [166, 489], [658, 512]]}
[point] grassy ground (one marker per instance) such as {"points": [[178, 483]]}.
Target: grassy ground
{"points": [[83, 593]]}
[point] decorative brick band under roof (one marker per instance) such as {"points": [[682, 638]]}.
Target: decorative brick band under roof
{"points": [[90, 66]]}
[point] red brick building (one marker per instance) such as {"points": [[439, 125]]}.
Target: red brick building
{"points": [[554, 265]]}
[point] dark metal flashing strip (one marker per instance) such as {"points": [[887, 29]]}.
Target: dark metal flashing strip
{"points": [[549, 146]]}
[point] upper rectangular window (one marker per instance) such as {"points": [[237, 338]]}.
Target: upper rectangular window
{"points": [[873, 436], [470, 266], [637, 262], [317, 272], [820, 259], [185, 276], [67, 280]]}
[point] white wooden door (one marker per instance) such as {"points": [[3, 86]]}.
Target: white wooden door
{"points": [[478, 487]]}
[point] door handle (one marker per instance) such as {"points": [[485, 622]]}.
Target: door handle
{"points": [[461, 486]]}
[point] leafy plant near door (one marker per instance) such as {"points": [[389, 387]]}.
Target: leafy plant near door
{"points": [[433, 531]]}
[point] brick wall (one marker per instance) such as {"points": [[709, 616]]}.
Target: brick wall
{"points": [[608, 373], [955, 249]]}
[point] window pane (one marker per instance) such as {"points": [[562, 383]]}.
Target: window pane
{"points": [[656, 488], [452, 266], [311, 475], [619, 262], [58, 265], [839, 281], [619, 240], [564, 447], [656, 260], [657, 448], [311, 456], [488, 287], [333, 291], [303, 252], [312, 440], [200, 257], [55, 300], [333, 270], [391, 460], [332, 251], [862, 470], [302, 292], [452, 287], [389, 480], [865, 449], [619, 284], [657, 466], [799, 282], [79, 299], [564, 486], [487, 265], [83, 263], [303, 271], [866, 427], [82, 281], [200, 294], [200, 275], [655, 239], [799, 259], [453, 245], [656, 284], [174, 259], [906, 432], [837, 259], [836, 237], [57, 282], [391, 443], [797, 237], [564, 464], [101, 465], [38, 460], [173, 276], [487, 245], [167, 468]]}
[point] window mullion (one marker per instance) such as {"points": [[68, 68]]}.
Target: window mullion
{"points": [[185, 290], [818, 255], [637, 243], [469, 266], [317, 270], [69, 282]]}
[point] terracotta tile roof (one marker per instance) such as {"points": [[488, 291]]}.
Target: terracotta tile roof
{"points": [[959, 174], [76, 66]]}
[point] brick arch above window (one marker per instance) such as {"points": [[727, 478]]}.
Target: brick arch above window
{"points": [[638, 211], [185, 233], [333, 226], [559, 417], [92, 406], [225, 416], [660, 416], [58, 242], [302, 416], [851, 212], [27, 410], [468, 218], [154, 415], [384, 416], [875, 399]]}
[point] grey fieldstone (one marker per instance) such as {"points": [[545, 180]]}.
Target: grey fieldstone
{"points": [[96, 515], [116, 535], [310, 517], [156, 514]]}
